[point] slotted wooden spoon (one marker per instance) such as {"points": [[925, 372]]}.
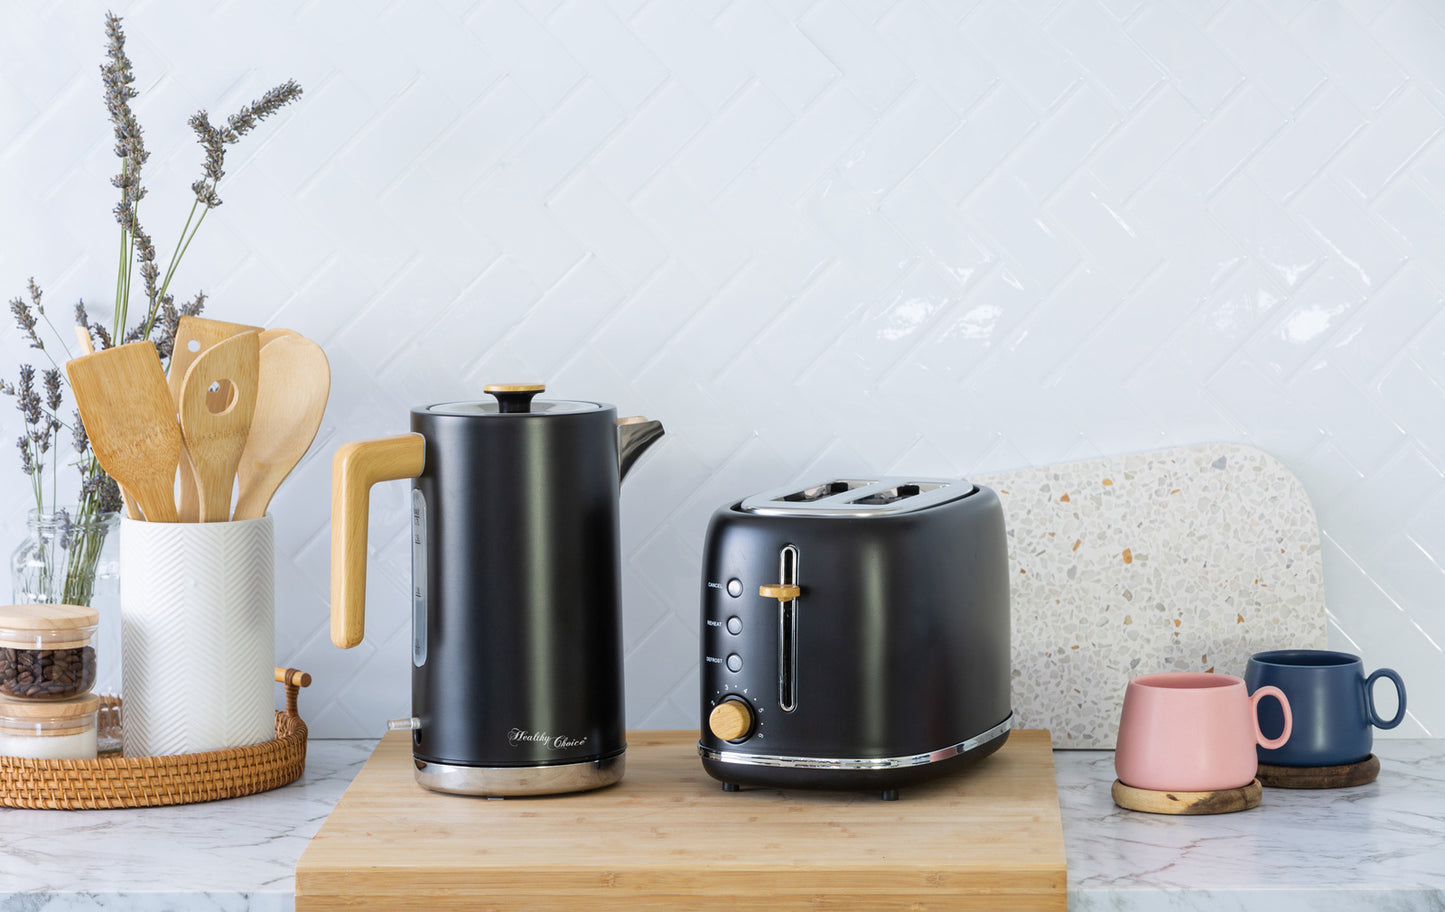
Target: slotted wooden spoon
{"points": [[218, 399], [295, 381], [193, 336], [130, 419]]}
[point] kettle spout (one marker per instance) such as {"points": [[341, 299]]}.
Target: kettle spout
{"points": [[634, 435]]}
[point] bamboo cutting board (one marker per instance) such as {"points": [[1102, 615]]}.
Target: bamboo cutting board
{"points": [[667, 837]]}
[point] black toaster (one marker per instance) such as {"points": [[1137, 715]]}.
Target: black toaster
{"points": [[855, 635]]}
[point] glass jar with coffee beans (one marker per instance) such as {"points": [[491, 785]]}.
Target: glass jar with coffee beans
{"points": [[46, 651]]}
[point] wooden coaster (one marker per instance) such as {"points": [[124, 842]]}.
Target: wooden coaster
{"points": [[1222, 801], [1320, 777]]}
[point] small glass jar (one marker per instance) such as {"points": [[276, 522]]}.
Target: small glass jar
{"points": [[46, 652], [57, 730]]}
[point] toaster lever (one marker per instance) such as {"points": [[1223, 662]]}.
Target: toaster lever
{"points": [[783, 592]]}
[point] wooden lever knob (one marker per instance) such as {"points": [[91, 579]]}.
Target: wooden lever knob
{"points": [[783, 592]]}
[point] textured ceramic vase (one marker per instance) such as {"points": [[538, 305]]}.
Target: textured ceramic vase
{"points": [[198, 626], [1191, 732]]}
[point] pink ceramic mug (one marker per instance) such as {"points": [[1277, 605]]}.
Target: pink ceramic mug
{"points": [[1192, 732]]}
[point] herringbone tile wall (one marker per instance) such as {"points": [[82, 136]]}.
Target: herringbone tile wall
{"points": [[810, 236]]}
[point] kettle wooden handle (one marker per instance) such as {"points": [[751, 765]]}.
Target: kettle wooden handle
{"points": [[359, 465]]}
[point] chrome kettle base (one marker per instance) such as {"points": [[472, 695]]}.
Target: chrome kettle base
{"points": [[517, 781]]}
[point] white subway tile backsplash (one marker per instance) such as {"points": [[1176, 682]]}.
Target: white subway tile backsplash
{"points": [[1346, 230], [866, 65], [1249, 33], [684, 39], [1394, 137], [612, 55], [938, 51], [1102, 48], [735, 137], [984, 138], [812, 238], [1198, 69], [1335, 39], [779, 55], [1143, 145], [1298, 152], [1025, 56]]}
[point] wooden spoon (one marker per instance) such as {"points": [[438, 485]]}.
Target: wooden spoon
{"points": [[294, 383], [218, 399], [130, 419], [193, 336], [270, 335]]}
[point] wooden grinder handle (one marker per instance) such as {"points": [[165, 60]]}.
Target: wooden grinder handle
{"points": [[358, 466]]}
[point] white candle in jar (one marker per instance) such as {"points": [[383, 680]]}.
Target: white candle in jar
{"points": [[75, 745]]}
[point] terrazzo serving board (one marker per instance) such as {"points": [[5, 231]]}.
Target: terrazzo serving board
{"points": [[1186, 559]]}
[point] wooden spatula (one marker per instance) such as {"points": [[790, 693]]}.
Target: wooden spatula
{"points": [[193, 336], [87, 345], [130, 419], [294, 383], [218, 399]]}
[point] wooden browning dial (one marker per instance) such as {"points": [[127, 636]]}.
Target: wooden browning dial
{"points": [[730, 720]]}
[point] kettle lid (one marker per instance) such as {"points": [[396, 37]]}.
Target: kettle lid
{"points": [[515, 399]]}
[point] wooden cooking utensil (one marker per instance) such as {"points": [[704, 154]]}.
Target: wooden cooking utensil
{"points": [[294, 382], [218, 399], [130, 419], [270, 335], [87, 346], [193, 336]]}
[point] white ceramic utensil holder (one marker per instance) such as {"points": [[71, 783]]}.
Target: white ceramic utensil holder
{"points": [[198, 635]]}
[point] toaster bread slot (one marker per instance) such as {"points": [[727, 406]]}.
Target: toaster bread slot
{"points": [[826, 489], [786, 592], [896, 493]]}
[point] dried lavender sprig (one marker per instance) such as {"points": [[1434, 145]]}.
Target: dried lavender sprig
{"points": [[26, 320], [78, 437], [52, 390], [101, 334], [215, 139], [118, 76]]}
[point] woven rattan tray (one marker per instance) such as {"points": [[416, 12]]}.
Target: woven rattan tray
{"points": [[132, 782]]}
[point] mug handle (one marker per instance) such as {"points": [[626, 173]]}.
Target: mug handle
{"points": [[1269, 690], [1370, 698]]}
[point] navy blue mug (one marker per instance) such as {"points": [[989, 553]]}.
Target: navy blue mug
{"points": [[1333, 703]]}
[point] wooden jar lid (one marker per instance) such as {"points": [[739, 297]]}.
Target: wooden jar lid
{"points": [[47, 626], [35, 710]]}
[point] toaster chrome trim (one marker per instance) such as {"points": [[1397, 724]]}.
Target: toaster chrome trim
{"points": [[857, 498], [876, 763]]}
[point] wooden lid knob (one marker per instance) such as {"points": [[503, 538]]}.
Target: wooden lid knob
{"points": [[514, 397], [783, 592], [730, 720]]}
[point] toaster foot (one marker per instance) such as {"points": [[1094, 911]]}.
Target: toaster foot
{"points": [[731, 787], [890, 794]]}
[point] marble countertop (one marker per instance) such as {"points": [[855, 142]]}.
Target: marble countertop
{"points": [[222, 855], [1379, 846]]}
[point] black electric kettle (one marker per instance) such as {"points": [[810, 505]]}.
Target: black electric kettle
{"points": [[516, 652]]}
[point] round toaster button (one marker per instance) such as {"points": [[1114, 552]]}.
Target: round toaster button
{"points": [[735, 662], [735, 627], [735, 589]]}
